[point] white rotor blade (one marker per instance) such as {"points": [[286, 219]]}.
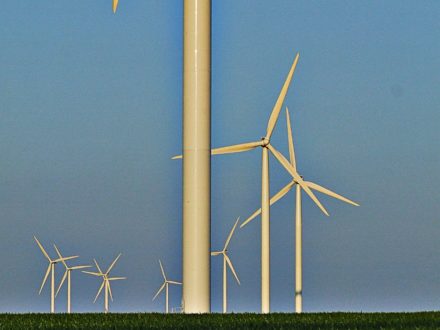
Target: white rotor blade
{"points": [[79, 267], [99, 291], [236, 148], [160, 289], [92, 273], [66, 258], [231, 149], [97, 266], [231, 233], [232, 268], [277, 108], [61, 283], [329, 193], [116, 278], [163, 272], [216, 253], [115, 5], [290, 140], [174, 282], [45, 278], [113, 263], [60, 256], [109, 290], [42, 249], [273, 200], [296, 177]]}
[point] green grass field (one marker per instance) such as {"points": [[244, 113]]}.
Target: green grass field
{"points": [[422, 320]]}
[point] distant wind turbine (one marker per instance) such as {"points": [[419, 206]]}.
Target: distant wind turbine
{"points": [[105, 282], [67, 275], [291, 168], [50, 269], [227, 262], [165, 286]]}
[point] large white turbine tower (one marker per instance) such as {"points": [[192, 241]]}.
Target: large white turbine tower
{"points": [[298, 214], [196, 149], [105, 282], [227, 263], [166, 283], [50, 269], [67, 275]]}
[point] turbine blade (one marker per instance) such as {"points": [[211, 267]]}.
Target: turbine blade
{"points": [[329, 193], [99, 291], [42, 249], [279, 103], [216, 253], [66, 258], [92, 273], [290, 140], [231, 149], [115, 5], [231, 233], [232, 268], [296, 177], [275, 198], [79, 267], [175, 282], [61, 283], [45, 278], [236, 148], [97, 266], [60, 256], [160, 289], [109, 290], [116, 278], [113, 263], [163, 272]]}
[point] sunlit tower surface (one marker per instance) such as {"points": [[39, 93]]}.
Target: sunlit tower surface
{"points": [[197, 155]]}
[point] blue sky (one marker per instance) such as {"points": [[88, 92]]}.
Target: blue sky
{"points": [[90, 114]]}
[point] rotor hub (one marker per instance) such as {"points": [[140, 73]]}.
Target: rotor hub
{"points": [[265, 142]]}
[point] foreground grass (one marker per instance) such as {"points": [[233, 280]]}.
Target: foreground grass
{"points": [[315, 321]]}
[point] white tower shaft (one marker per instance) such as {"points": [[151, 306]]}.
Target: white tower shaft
{"points": [[68, 291], [52, 288], [225, 279], [265, 233], [106, 296], [298, 252], [196, 155]]}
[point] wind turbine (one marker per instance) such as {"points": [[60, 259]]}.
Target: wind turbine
{"points": [[266, 146], [227, 262], [67, 275], [105, 282], [165, 285], [196, 147], [291, 167], [50, 269]]}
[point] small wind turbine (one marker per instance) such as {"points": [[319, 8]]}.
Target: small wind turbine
{"points": [[165, 285], [266, 146], [67, 275], [227, 262], [50, 269], [291, 168], [105, 282]]}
